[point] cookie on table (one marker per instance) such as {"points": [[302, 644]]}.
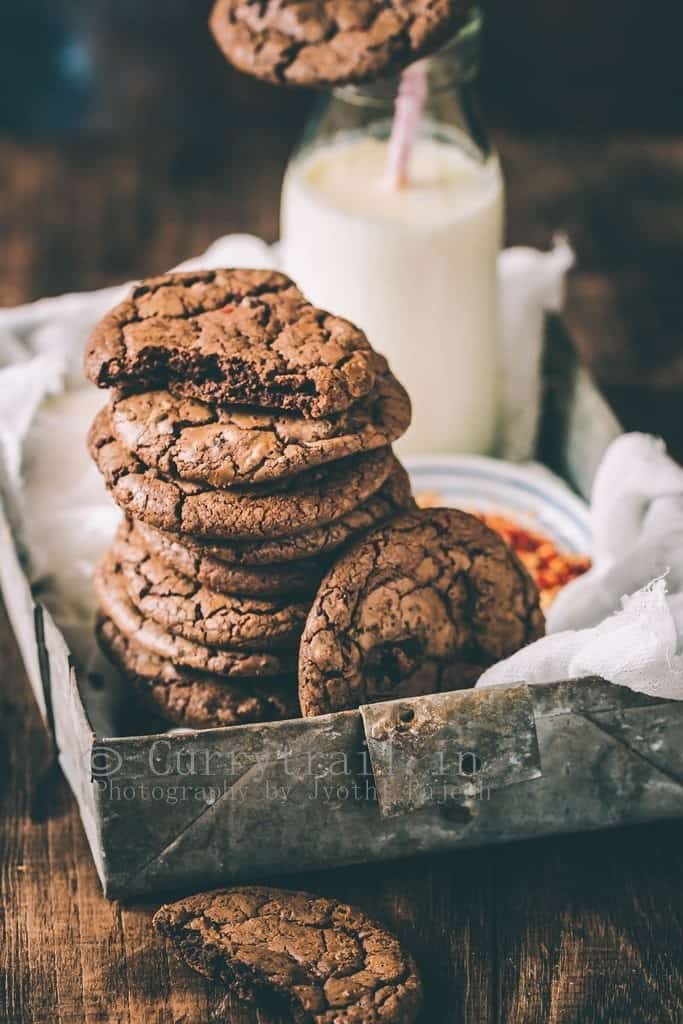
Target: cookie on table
{"points": [[314, 498], [184, 607], [421, 605], [332, 42], [322, 961], [304, 549], [115, 604], [226, 446], [191, 699], [236, 337], [186, 556]]}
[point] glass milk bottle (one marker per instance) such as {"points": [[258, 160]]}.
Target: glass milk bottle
{"points": [[408, 252]]}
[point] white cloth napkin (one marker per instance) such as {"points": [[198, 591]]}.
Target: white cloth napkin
{"points": [[594, 629], [532, 284]]}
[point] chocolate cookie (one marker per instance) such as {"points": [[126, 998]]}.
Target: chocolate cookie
{"points": [[331, 42], [322, 961], [393, 498], [421, 605], [314, 498], [184, 607], [223, 446], [195, 700], [112, 597], [192, 559], [237, 337]]}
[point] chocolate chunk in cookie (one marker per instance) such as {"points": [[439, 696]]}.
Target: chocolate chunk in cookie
{"points": [[186, 556], [421, 605], [112, 596], [314, 498], [195, 700], [331, 42], [238, 337], [184, 607], [224, 446], [323, 961]]}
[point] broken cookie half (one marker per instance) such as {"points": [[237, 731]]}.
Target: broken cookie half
{"points": [[323, 961]]}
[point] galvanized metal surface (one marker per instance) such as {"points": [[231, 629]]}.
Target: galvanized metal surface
{"points": [[197, 809], [423, 750]]}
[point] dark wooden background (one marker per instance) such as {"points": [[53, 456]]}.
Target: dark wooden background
{"points": [[125, 145]]}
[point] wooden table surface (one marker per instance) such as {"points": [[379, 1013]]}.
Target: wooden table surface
{"points": [[580, 929]]}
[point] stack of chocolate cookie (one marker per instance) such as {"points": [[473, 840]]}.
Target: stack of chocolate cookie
{"points": [[247, 439]]}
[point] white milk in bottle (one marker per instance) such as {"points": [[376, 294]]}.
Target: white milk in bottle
{"points": [[413, 264]]}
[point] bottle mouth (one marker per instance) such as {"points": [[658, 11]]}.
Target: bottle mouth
{"points": [[456, 63]]}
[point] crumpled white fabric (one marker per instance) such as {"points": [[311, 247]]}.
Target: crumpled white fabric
{"points": [[593, 628], [532, 284]]}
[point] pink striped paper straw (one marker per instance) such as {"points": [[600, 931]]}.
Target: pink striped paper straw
{"points": [[410, 102]]}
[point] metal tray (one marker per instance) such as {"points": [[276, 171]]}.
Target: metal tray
{"points": [[187, 810]]}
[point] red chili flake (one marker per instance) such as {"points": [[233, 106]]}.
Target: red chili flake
{"points": [[550, 568], [228, 309]]}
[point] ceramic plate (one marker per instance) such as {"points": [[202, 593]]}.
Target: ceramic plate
{"points": [[528, 493]]}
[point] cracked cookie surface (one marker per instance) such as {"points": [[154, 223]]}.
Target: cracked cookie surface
{"points": [[297, 578], [314, 498], [331, 42], [115, 604], [238, 337], [191, 699], [421, 605], [226, 446], [324, 961], [185, 607], [391, 499]]}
